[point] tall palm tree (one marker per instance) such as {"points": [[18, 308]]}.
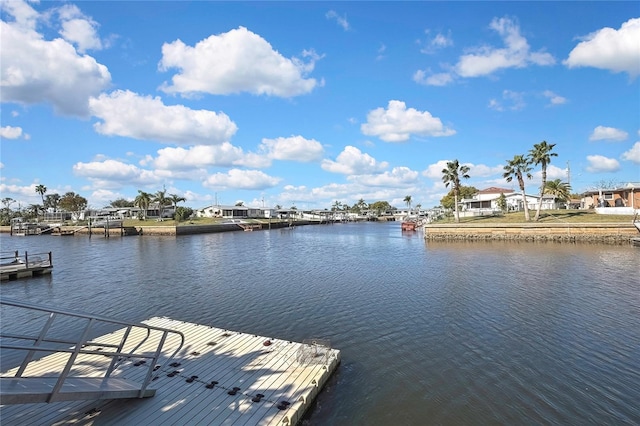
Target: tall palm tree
{"points": [[451, 175], [175, 199], [407, 201], [560, 190], [541, 154], [41, 189], [160, 197], [519, 168], [142, 200]]}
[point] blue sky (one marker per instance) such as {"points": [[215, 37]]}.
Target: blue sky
{"points": [[308, 103]]}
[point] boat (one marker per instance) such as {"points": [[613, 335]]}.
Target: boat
{"points": [[107, 222], [409, 225]]}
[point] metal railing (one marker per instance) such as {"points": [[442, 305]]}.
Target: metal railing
{"points": [[84, 345]]}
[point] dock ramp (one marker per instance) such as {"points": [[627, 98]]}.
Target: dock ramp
{"points": [[72, 368]]}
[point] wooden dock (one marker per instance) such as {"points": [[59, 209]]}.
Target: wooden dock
{"points": [[219, 377], [13, 265]]}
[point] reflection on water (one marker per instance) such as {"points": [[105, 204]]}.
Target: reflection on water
{"points": [[430, 333]]}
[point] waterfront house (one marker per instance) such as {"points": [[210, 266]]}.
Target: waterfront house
{"points": [[623, 199], [485, 202]]}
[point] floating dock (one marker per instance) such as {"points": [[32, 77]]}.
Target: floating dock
{"points": [[13, 265], [218, 377]]}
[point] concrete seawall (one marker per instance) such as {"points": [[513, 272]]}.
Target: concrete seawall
{"points": [[609, 233], [174, 230]]}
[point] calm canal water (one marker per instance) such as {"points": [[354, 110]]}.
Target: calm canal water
{"points": [[430, 333]]}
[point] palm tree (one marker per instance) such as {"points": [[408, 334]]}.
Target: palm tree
{"points": [[143, 199], [175, 199], [518, 168], [407, 201], [160, 198], [451, 176], [541, 154], [557, 188], [41, 189]]}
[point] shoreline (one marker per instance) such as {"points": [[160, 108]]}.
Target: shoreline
{"points": [[607, 233]]}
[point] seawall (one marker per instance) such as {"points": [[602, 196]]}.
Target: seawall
{"points": [[609, 233]]}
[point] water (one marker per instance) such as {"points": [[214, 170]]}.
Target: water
{"points": [[430, 333]]}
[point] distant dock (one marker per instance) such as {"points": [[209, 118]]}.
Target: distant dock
{"points": [[14, 265]]}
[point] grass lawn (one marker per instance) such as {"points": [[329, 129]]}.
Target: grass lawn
{"points": [[546, 216]]}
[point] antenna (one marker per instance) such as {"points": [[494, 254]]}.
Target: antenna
{"points": [[568, 174]]}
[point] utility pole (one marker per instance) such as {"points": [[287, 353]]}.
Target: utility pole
{"points": [[568, 175]]}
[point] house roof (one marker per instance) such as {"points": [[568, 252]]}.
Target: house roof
{"points": [[495, 190], [631, 185]]}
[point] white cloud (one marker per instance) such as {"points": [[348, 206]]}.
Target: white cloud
{"points": [[200, 156], [8, 132], [128, 114], [113, 173], [439, 41], [600, 163], [234, 62], [480, 170], [352, 161], [609, 49], [36, 70], [78, 28], [513, 101], [241, 179], [434, 171], [554, 99], [341, 20], [397, 177], [439, 79], [516, 54], [601, 133], [293, 148], [398, 124], [632, 154]]}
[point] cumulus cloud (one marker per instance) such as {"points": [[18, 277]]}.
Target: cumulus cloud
{"points": [[397, 177], [113, 173], [35, 70], [352, 161], [600, 163], [632, 154], [340, 20], [293, 148], [8, 132], [241, 179], [516, 53], [554, 99], [78, 28], [434, 171], [234, 62], [512, 101], [124, 113], [200, 156], [609, 49], [398, 123], [602, 133]]}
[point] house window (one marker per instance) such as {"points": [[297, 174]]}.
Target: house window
{"points": [[608, 195]]}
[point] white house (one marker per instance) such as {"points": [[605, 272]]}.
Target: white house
{"points": [[485, 202]]}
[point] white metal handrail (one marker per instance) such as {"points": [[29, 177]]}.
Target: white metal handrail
{"points": [[84, 345]]}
